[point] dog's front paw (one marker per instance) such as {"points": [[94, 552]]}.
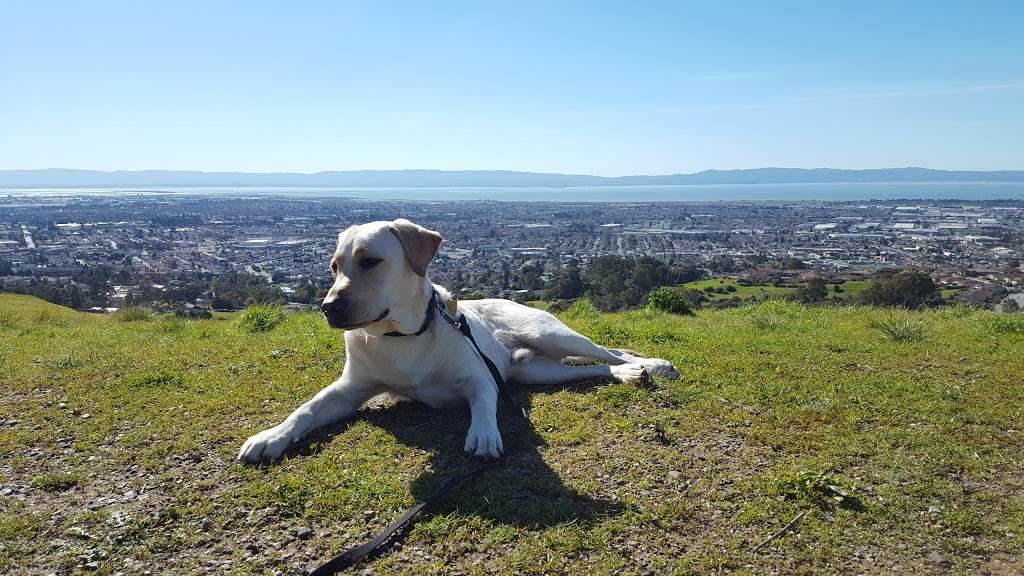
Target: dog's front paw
{"points": [[660, 367], [631, 373], [484, 442], [266, 445]]}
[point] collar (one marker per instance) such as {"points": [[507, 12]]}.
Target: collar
{"points": [[448, 310]]}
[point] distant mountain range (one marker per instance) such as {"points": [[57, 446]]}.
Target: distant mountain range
{"points": [[64, 178]]}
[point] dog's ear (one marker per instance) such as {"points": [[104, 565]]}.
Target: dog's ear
{"points": [[420, 244]]}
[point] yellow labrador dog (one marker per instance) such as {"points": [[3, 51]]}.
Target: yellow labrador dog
{"points": [[383, 299]]}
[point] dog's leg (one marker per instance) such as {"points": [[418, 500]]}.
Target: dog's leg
{"points": [[483, 438], [333, 403], [543, 370], [565, 343]]}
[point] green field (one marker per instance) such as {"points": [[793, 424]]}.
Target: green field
{"points": [[850, 289], [742, 292], [897, 435]]}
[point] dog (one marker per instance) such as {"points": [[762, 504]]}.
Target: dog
{"points": [[382, 298]]}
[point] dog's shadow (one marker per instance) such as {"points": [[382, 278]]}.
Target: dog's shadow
{"points": [[522, 490]]}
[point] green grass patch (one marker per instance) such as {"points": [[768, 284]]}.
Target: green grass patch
{"points": [[822, 489], [1008, 324], [132, 314], [58, 481], [715, 289], [162, 380], [901, 328], [261, 318]]}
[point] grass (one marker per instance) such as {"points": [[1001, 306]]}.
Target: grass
{"points": [[132, 314], [261, 318], [850, 289], [742, 292], [901, 328], [57, 481], [117, 442]]}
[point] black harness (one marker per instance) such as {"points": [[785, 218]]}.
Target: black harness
{"points": [[447, 310]]}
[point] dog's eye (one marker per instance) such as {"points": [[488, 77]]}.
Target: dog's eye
{"points": [[368, 262]]}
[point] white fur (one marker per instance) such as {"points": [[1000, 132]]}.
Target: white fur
{"points": [[439, 367]]}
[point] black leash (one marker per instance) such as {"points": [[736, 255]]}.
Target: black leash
{"points": [[353, 555]]}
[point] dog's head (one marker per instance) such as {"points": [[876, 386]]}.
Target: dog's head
{"points": [[378, 267]]}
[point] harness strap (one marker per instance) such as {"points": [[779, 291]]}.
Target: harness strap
{"points": [[499, 381], [427, 319], [374, 546]]}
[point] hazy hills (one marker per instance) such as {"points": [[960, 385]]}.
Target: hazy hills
{"points": [[65, 178]]}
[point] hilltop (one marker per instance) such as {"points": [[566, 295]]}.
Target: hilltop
{"points": [[64, 178], [898, 435]]}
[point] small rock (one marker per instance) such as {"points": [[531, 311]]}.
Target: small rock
{"points": [[674, 473], [936, 557], [934, 510], [304, 533]]}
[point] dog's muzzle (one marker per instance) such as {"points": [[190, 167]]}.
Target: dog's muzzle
{"points": [[338, 314]]}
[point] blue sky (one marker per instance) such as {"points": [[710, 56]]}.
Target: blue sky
{"points": [[588, 87]]}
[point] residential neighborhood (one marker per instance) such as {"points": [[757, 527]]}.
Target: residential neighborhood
{"points": [[210, 251]]}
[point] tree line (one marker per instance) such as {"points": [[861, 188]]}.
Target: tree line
{"points": [[617, 283]]}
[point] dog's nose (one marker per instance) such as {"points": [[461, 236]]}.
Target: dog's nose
{"points": [[335, 305]]}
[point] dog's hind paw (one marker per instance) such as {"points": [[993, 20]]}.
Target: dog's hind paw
{"points": [[631, 373]]}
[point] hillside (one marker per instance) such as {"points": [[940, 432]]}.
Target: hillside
{"points": [[117, 439]]}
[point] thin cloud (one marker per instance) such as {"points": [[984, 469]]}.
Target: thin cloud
{"points": [[924, 91]]}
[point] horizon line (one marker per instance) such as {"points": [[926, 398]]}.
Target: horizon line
{"points": [[499, 170]]}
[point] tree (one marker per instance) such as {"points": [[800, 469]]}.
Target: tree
{"points": [[649, 273], [813, 290], [608, 279], [71, 296], [567, 284], [722, 263], [908, 289], [684, 274], [669, 300], [528, 277]]}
